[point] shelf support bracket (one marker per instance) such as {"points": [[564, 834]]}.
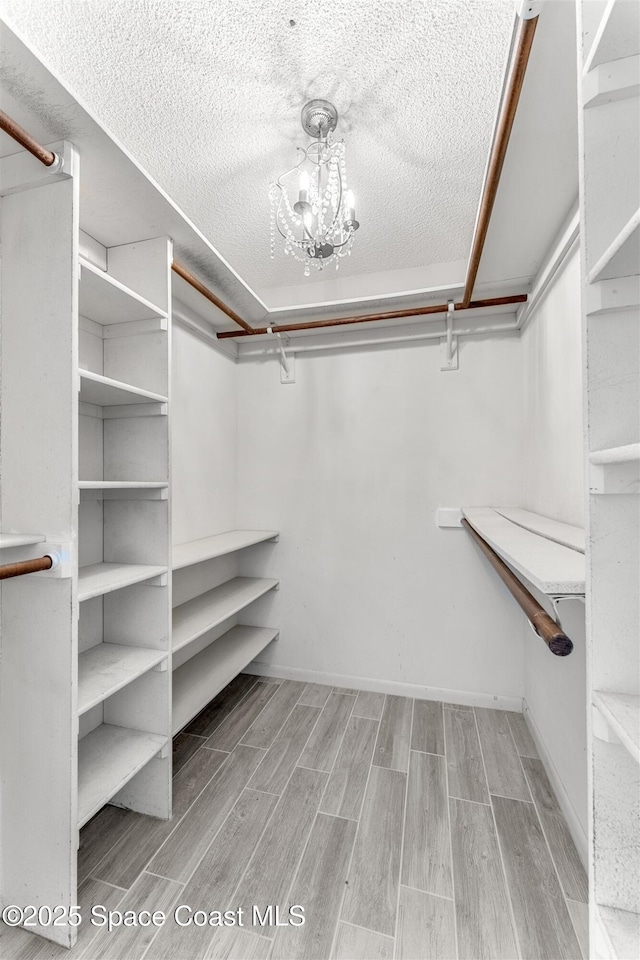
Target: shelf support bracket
{"points": [[287, 363], [449, 345]]}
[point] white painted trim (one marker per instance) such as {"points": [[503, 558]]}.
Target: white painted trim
{"points": [[562, 247], [188, 318], [576, 830], [394, 687]]}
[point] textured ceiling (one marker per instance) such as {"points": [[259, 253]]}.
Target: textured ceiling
{"points": [[206, 94]]}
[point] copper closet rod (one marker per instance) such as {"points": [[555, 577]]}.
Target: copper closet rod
{"points": [[19, 569], [519, 60], [544, 625]]}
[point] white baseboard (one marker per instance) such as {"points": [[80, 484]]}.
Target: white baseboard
{"points": [[576, 830], [416, 690]]}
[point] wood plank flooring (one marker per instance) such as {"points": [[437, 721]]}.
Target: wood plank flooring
{"points": [[405, 830]]}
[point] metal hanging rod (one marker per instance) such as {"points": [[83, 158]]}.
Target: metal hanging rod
{"points": [[18, 133], [518, 66], [205, 292], [370, 317], [544, 625], [19, 569]]}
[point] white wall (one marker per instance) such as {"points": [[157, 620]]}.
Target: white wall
{"points": [[555, 688], [350, 464], [204, 432]]}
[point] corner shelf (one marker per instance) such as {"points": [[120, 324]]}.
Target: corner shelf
{"points": [[96, 579], [106, 392], [622, 714], [192, 619], [615, 470], [107, 667], [8, 540], [196, 551], [554, 569], [622, 256], [108, 758], [105, 300], [198, 680]]}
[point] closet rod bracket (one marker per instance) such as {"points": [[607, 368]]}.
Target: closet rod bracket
{"points": [[449, 344]]}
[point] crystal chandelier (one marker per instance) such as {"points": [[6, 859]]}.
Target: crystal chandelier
{"points": [[319, 226]]}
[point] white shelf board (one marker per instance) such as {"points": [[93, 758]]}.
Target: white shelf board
{"points": [[621, 931], [105, 392], [617, 35], [622, 257], [192, 619], [100, 578], [20, 539], [198, 680], [105, 300], [622, 713], [108, 758], [615, 470], [185, 554], [552, 568], [616, 80], [122, 484], [107, 667], [613, 296], [563, 533], [628, 453]]}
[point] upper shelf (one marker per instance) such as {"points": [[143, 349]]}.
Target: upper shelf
{"points": [[563, 533], [617, 35], [550, 566], [615, 470], [105, 300], [105, 392], [185, 554], [19, 539]]}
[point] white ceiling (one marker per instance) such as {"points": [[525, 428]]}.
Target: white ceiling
{"points": [[206, 95]]}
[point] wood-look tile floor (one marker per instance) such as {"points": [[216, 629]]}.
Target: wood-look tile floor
{"points": [[405, 829]]}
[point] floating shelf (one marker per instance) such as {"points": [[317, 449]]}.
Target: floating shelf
{"points": [[105, 392], [615, 470], [185, 554], [105, 300], [198, 680], [617, 36], [8, 540], [108, 758], [621, 931], [622, 257], [192, 619], [107, 667], [622, 714], [100, 578], [552, 568], [563, 533]]}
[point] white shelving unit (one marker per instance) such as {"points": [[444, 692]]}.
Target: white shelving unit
{"points": [[610, 217], [209, 648], [551, 566]]}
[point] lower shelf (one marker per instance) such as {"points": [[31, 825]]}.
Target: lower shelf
{"points": [[108, 667], [198, 680], [108, 758]]}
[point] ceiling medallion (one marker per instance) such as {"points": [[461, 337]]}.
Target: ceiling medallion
{"points": [[318, 227]]}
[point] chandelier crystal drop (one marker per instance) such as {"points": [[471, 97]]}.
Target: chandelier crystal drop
{"points": [[318, 225]]}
